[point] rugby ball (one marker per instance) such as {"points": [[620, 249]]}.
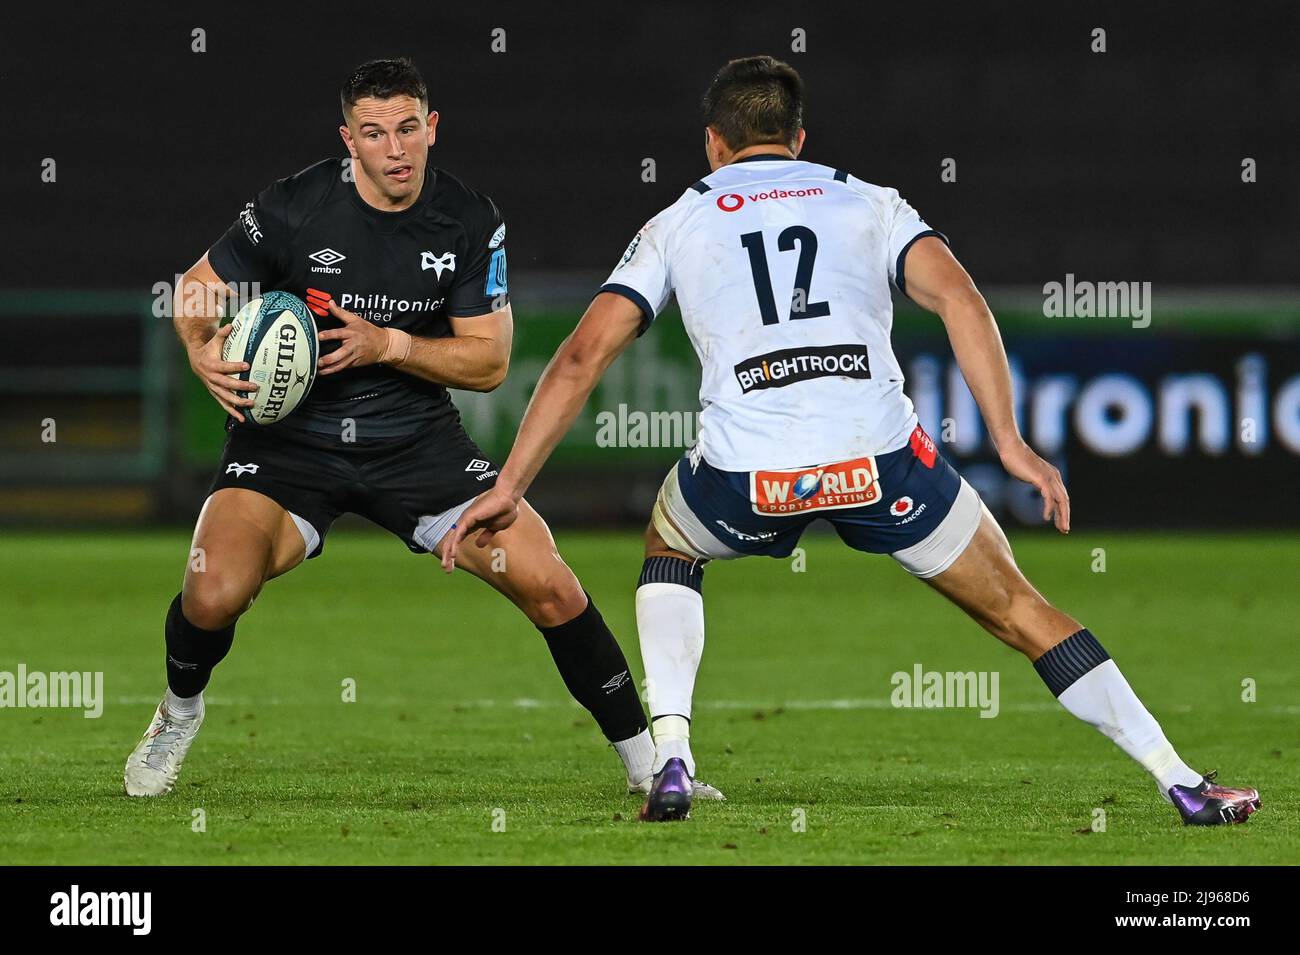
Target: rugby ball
{"points": [[276, 336]]}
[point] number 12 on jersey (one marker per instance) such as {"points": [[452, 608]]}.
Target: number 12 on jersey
{"points": [[801, 305]]}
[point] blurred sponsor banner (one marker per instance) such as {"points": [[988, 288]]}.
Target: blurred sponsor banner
{"points": [[1195, 424], [1151, 432]]}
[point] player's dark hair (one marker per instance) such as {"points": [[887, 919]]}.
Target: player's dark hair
{"points": [[754, 100], [383, 79]]}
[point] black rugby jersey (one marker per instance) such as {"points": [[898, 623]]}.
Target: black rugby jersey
{"points": [[312, 234]]}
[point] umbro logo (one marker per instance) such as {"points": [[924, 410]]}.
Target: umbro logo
{"points": [[327, 258], [239, 470], [480, 468], [614, 683], [445, 261]]}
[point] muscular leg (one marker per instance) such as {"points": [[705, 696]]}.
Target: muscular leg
{"points": [[245, 539], [242, 540], [986, 583], [524, 565]]}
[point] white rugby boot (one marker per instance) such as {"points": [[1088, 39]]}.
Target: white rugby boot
{"points": [[155, 763]]}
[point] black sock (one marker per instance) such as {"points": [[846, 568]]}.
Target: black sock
{"points": [[192, 653], [596, 673]]}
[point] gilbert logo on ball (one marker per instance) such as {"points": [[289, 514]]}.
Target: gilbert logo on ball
{"points": [[276, 336]]}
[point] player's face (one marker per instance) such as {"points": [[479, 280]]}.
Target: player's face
{"points": [[389, 140]]}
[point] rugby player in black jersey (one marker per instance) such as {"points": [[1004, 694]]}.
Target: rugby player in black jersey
{"points": [[405, 267]]}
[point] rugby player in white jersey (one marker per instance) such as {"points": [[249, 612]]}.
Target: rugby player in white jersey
{"points": [[782, 270]]}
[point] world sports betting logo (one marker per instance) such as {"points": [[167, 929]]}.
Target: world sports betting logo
{"points": [[852, 483]]}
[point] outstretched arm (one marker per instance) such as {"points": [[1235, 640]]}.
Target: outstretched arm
{"points": [[937, 282], [610, 324]]}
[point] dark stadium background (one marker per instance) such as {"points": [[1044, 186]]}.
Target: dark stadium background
{"points": [[1116, 166], [374, 711]]}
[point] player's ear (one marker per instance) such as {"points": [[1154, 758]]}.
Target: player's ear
{"points": [[798, 142], [713, 148], [347, 140], [433, 126]]}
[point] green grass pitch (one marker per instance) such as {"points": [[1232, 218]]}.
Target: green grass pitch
{"points": [[460, 720]]}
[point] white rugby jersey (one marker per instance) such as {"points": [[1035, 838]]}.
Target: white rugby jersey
{"points": [[782, 270]]}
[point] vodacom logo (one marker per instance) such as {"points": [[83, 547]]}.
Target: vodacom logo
{"points": [[730, 202]]}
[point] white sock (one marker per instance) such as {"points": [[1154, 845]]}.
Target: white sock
{"points": [[673, 739], [1103, 698], [183, 707], [670, 622], [638, 755]]}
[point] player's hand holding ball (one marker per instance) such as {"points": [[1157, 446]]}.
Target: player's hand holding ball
{"points": [[218, 375], [361, 343]]}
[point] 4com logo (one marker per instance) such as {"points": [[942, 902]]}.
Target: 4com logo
{"points": [[828, 487]]}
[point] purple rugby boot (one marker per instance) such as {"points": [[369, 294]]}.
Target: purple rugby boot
{"points": [[670, 796], [1212, 805]]}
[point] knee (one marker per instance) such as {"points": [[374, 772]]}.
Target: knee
{"points": [[654, 543], [213, 600], [555, 600], [656, 546]]}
